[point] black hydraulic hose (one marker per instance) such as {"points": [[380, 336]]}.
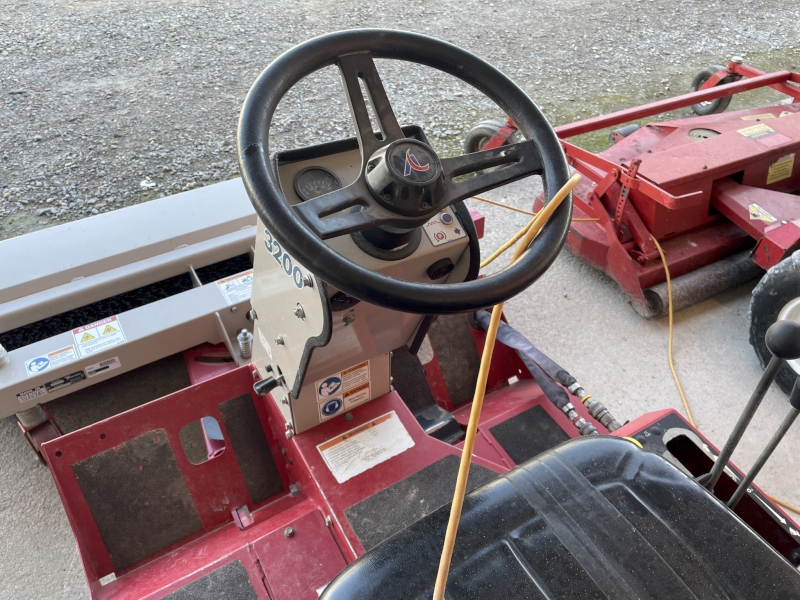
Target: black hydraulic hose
{"points": [[548, 374], [529, 353]]}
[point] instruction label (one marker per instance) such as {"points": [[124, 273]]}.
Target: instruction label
{"points": [[51, 360], [444, 228], [780, 169], [342, 391], [366, 446], [758, 117], [96, 337], [755, 132], [759, 214], [102, 367], [236, 288]]}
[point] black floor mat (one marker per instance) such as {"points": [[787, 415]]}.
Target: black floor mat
{"points": [[391, 510], [230, 582], [528, 434], [138, 498], [452, 341]]}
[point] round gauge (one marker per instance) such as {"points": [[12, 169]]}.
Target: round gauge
{"points": [[315, 181]]}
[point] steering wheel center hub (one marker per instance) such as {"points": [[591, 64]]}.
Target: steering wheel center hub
{"points": [[407, 178]]}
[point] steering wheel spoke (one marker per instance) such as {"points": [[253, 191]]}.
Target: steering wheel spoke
{"points": [[319, 212], [355, 69], [509, 163]]}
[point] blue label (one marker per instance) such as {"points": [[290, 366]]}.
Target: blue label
{"points": [[38, 364], [331, 407], [329, 387]]}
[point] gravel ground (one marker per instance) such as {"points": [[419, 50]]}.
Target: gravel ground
{"points": [[105, 104]]}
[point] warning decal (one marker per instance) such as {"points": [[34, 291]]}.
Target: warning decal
{"points": [[756, 131], [780, 169], [51, 360], [99, 336], [758, 117], [236, 288], [342, 391], [366, 446], [759, 214]]}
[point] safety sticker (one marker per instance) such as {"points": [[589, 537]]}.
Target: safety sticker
{"points": [[62, 382], [755, 132], [330, 408], [758, 117], [236, 288], [780, 169], [444, 228], [759, 214], [102, 367], [51, 360], [365, 446], [343, 391], [99, 336]]}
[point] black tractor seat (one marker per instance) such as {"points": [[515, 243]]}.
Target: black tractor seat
{"points": [[592, 518]]}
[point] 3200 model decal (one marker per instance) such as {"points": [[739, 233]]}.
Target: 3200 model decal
{"points": [[284, 260]]}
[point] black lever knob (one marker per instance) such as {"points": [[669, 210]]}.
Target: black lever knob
{"points": [[265, 386], [794, 397], [783, 339]]}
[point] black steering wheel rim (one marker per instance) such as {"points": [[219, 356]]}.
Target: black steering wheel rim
{"points": [[263, 187]]}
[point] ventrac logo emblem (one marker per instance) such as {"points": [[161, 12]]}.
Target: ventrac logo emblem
{"points": [[413, 164]]}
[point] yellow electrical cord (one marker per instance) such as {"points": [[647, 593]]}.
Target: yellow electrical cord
{"points": [[669, 351], [786, 505], [528, 234], [501, 205], [519, 210]]}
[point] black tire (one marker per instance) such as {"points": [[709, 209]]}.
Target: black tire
{"points": [[712, 106], [623, 132], [479, 135], [778, 286]]}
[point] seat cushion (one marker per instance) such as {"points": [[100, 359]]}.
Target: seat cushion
{"points": [[592, 518]]}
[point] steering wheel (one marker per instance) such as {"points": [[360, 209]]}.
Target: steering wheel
{"points": [[402, 182]]}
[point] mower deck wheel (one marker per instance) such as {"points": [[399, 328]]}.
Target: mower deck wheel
{"points": [[710, 107], [779, 286], [479, 135]]}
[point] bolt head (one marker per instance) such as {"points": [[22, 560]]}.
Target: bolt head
{"points": [[279, 340], [288, 532], [285, 400], [348, 417], [288, 434], [308, 281], [349, 318], [737, 59], [234, 309]]}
